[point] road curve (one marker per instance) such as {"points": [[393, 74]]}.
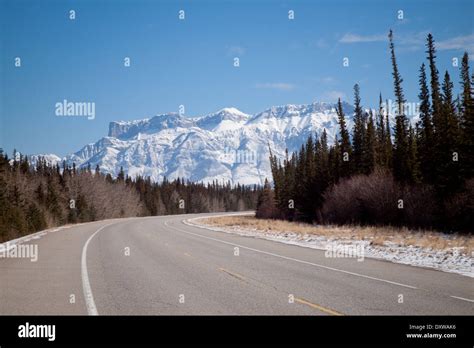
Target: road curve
{"points": [[162, 266]]}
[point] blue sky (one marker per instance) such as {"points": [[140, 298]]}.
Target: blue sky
{"points": [[190, 61]]}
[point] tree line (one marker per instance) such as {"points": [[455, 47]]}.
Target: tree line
{"points": [[33, 198], [418, 175]]}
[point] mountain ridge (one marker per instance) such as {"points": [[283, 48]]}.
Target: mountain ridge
{"points": [[227, 145]]}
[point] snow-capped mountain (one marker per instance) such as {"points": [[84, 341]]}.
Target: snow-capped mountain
{"points": [[50, 159], [228, 145]]}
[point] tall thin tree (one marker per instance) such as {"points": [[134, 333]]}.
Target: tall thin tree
{"points": [[401, 166]]}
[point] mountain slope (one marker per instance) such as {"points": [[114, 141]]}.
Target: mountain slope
{"points": [[228, 145]]}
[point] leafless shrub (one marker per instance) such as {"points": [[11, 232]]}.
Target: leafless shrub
{"points": [[378, 199], [459, 210]]}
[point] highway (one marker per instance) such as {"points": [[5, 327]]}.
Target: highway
{"points": [[163, 266]]}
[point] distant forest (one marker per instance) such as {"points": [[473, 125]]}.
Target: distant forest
{"points": [[33, 198], [419, 176]]}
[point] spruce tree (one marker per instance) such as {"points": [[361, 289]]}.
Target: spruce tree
{"points": [[121, 175], [278, 184], [309, 202], [288, 187], [381, 140], [300, 188], [435, 85], [370, 143], [322, 163], [401, 165], [425, 131], [467, 120], [5, 207], [414, 166], [345, 143], [358, 133], [447, 145], [388, 139], [322, 174], [334, 162]]}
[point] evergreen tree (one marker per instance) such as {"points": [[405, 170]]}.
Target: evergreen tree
{"points": [[288, 188], [401, 165], [52, 200], [24, 165], [265, 204], [322, 172], [3, 162], [448, 177], [435, 85], [414, 167], [35, 219], [4, 208], [467, 120], [370, 145], [40, 196], [121, 174], [425, 131], [334, 162], [307, 189], [17, 197], [388, 134], [345, 143], [278, 183], [381, 136], [358, 133]]}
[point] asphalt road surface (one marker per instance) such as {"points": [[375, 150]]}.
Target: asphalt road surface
{"points": [[162, 266]]}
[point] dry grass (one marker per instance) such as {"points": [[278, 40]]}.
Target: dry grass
{"points": [[377, 235]]}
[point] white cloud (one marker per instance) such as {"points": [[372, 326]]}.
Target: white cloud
{"points": [[332, 96], [409, 39], [282, 86], [355, 38], [412, 39], [322, 44], [415, 41], [235, 50], [465, 43], [327, 80]]}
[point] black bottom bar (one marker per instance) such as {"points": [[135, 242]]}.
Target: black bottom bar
{"points": [[269, 330]]}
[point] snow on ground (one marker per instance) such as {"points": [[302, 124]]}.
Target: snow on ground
{"points": [[448, 260]]}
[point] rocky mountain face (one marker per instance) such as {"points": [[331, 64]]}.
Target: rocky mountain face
{"points": [[228, 145]]}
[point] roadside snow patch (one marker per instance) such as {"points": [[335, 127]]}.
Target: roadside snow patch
{"points": [[448, 260]]}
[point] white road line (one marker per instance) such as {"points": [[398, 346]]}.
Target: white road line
{"points": [[86, 286], [462, 298], [293, 259]]}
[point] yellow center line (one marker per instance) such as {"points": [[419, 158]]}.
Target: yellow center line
{"points": [[299, 300], [318, 307], [235, 275]]}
